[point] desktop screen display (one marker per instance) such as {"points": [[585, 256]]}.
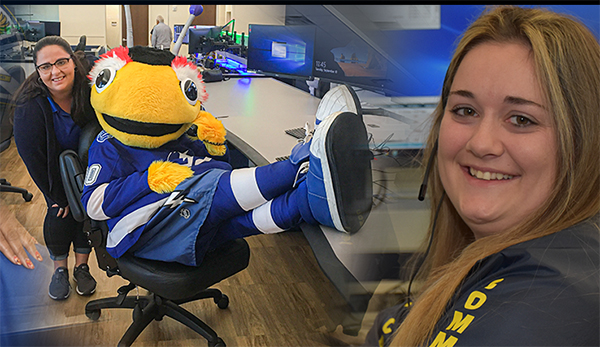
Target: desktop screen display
{"points": [[343, 56], [361, 46], [279, 49]]}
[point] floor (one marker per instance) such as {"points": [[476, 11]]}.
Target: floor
{"points": [[281, 299]]}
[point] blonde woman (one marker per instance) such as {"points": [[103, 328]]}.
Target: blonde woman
{"points": [[515, 189]]}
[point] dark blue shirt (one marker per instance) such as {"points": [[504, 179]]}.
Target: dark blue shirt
{"points": [[67, 132]]}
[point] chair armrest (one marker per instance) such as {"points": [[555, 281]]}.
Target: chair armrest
{"points": [[73, 175]]}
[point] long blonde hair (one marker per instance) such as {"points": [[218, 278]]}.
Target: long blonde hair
{"points": [[567, 64]]}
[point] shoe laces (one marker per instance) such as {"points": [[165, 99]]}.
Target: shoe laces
{"points": [[83, 271], [308, 133], [61, 275], [303, 169]]}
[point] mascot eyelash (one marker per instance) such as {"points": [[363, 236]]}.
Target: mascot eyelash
{"points": [[119, 57]]}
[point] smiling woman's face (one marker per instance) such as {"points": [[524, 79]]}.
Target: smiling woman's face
{"points": [[58, 80], [497, 144]]}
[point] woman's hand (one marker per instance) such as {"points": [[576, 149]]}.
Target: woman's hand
{"points": [[15, 239], [62, 212]]}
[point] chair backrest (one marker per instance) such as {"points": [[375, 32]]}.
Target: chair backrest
{"points": [[10, 80], [72, 169]]}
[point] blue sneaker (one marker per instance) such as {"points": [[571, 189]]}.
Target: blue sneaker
{"points": [[339, 99], [339, 180]]}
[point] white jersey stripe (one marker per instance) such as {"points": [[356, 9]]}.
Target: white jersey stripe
{"points": [[245, 188], [94, 205], [131, 221], [263, 220]]}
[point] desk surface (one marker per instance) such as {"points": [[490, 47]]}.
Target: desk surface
{"points": [[256, 112]]}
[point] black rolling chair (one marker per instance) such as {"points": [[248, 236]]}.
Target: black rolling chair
{"points": [[170, 284], [9, 83]]}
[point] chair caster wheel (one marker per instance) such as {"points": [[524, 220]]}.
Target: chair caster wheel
{"points": [[93, 315], [27, 197], [218, 343], [223, 302]]}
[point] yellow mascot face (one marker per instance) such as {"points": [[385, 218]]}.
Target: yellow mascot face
{"points": [[145, 97]]}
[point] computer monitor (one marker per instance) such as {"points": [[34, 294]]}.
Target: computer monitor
{"points": [[281, 50], [52, 28], [35, 31], [344, 57], [177, 28], [415, 58], [202, 38]]}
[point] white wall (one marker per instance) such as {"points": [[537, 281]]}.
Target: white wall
{"points": [[89, 20], [113, 25], [173, 14], [250, 14]]}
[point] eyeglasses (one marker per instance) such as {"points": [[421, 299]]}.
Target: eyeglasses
{"points": [[47, 67]]}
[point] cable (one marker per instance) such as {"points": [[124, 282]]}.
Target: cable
{"points": [[414, 274]]}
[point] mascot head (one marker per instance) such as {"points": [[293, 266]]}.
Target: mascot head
{"points": [[145, 97]]}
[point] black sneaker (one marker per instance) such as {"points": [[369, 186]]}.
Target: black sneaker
{"points": [[86, 284], [59, 286]]}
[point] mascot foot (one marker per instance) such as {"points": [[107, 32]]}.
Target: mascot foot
{"points": [[339, 99], [339, 180]]}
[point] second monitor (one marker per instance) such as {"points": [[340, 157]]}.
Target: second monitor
{"points": [[285, 50], [202, 38]]}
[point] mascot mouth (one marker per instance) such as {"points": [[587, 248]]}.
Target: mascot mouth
{"points": [[139, 128]]}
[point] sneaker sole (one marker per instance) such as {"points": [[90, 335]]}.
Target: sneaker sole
{"points": [[346, 170], [57, 298], [345, 92], [80, 292]]}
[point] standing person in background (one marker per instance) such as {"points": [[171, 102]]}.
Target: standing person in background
{"points": [[161, 34], [51, 108], [515, 182]]}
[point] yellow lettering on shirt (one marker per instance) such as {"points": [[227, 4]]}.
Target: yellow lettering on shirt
{"points": [[381, 341], [440, 340], [494, 283], [459, 323], [386, 327], [475, 300]]}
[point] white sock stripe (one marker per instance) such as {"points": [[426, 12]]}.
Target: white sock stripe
{"points": [[94, 205], [245, 188], [263, 220]]}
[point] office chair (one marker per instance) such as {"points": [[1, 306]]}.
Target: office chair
{"points": [[9, 83], [169, 284]]}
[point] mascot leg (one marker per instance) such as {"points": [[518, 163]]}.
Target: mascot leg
{"points": [[279, 214]]}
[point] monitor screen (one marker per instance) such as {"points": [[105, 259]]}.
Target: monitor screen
{"points": [[202, 38], [52, 28], [342, 56], [415, 56], [281, 50], [177, 28]]}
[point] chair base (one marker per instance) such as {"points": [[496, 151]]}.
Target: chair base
{"points": [[153, 307], [6, 187]]}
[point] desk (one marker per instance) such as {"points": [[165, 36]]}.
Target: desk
{"points": [[255, 113]]}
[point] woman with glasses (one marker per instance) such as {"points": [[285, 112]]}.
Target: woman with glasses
{"points": [[51, 108]]}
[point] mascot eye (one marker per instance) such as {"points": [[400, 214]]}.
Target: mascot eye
{"points": [[104, 79], [188, 87]]}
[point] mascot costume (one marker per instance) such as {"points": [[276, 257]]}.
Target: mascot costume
{"points": [[158, 172]]}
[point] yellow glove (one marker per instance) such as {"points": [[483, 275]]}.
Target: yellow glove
{"points": [[164, 176], [212, 132]]}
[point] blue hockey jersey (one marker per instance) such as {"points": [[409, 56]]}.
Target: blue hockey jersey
{"points": [[116, 186]]}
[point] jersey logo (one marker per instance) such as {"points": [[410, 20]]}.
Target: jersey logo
{"points": [[103, 136], [92, 174]]}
